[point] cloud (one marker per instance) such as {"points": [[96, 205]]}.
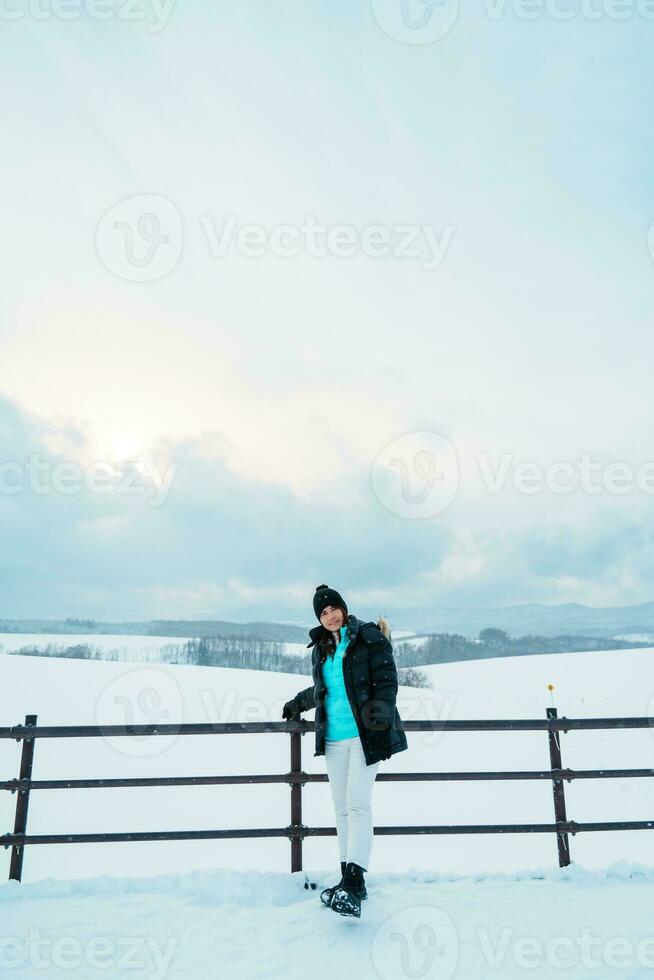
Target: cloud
{"points": [[219, 544], [227, 546]]}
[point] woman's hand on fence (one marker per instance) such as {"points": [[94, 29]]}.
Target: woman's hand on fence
{"points": [[291, 710]]}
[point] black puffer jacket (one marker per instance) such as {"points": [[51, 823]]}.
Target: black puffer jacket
{"points": [[370, 681]]}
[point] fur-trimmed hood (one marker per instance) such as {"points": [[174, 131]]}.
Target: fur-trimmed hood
{"points": [[384, 626]]}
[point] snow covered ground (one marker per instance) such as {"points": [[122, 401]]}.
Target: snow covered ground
{"points": [[439, 905], [128, 646], [244, 925], [636, 637], [136, 647]]}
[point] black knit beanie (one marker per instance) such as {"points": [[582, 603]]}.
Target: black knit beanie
{"points": [[324, 596]]}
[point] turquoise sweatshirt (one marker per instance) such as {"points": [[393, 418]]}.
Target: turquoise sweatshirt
{"points": [[340, 720]]}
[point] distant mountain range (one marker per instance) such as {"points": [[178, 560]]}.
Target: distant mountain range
{"points": [[274, 632], [532, 618], [536, 618]]}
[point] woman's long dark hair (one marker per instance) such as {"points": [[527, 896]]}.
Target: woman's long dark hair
{"points": [[327, 644]]}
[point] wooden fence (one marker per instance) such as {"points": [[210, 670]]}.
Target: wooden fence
{"points": [[296, 831]]}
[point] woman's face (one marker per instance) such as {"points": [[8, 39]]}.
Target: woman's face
{"points": [[332, 618]]}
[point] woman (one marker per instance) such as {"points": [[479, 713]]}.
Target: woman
{"points": [[357, 725]]}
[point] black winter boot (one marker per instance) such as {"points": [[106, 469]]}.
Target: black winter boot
{"points": [[347, 897], [327, 894]]}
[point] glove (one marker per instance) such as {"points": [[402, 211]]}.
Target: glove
{"points": [[291, 710], [380, 744]]}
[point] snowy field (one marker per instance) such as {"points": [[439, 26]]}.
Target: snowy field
{"points": [[256, 925], [439, 906], [128, 646]]}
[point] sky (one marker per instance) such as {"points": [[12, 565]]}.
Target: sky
{"points": [[344, 292]]}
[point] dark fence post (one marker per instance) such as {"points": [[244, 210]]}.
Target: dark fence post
{"points": [[296, 800], [22, 803], [559, 794]]}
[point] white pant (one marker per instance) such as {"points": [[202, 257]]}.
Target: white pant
{"points": [[351, 782]]}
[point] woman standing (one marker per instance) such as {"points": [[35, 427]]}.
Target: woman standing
{"points": [[357, 725]]}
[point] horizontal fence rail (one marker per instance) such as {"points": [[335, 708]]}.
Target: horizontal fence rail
{"points": [[296, 831], [302, 727]]}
